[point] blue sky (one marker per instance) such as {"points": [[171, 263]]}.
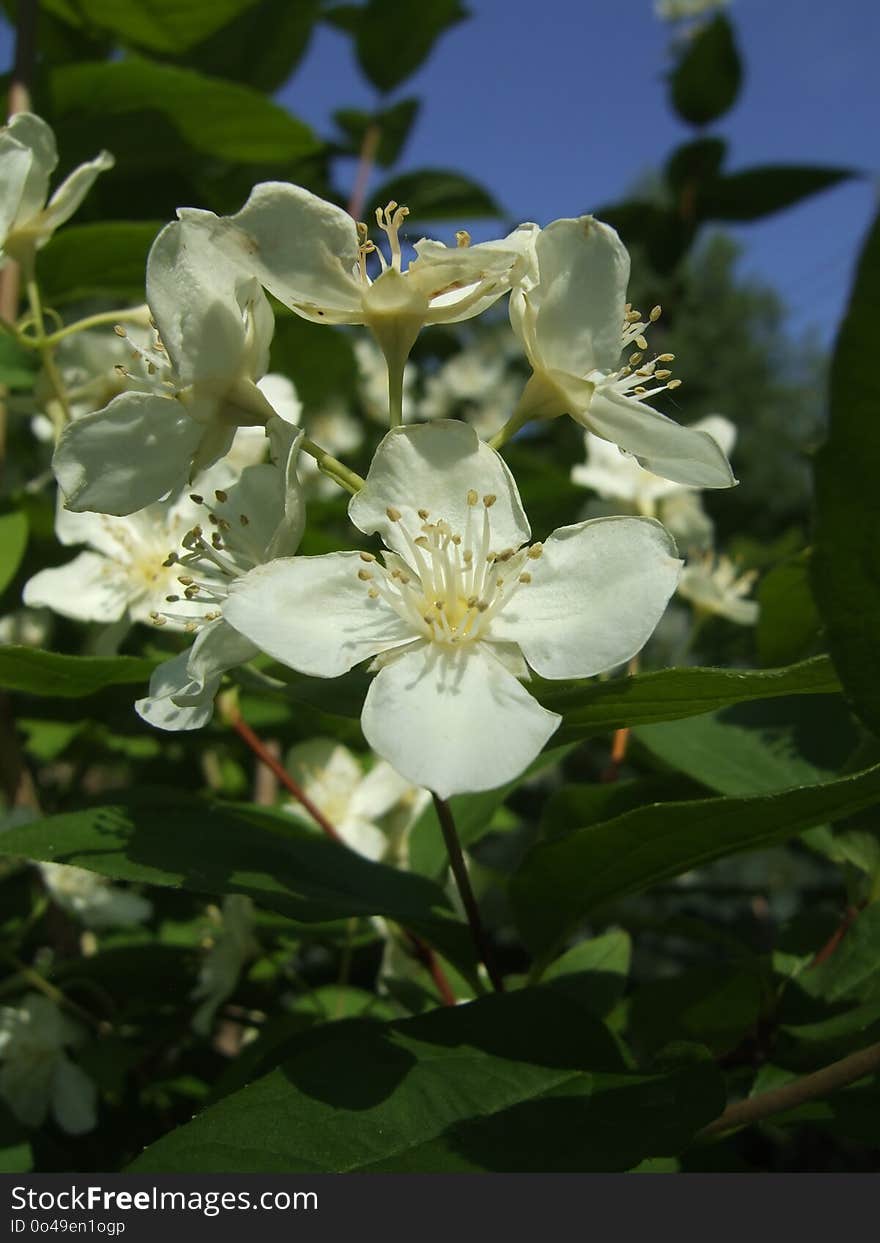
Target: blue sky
{"points": [[559, 106]]}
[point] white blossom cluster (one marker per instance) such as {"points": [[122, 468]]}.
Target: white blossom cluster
{"points": [[183, 480]]}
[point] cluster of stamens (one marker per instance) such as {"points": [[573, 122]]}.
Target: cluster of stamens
{"points": [[450, 585], [390, 220], [637, 375], [153, 361], [217, 556]]}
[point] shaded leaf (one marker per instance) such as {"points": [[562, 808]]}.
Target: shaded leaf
{"points": [[18, 365], [707, 79], [465, 1089], [788, 621], [758, 192], [436, 194], [846, 559], [13, 541], [158, 25], [561, 881], [88, 259], [392, 127], [394, 37], [593, 973]]}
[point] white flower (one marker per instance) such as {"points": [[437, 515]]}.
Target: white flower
{"points": [[712, 585], [28, 157], [37, 1075], [313, 257], [92, 899], [357, 804], [126, 570], [458, 608], [211, 346], [262, 516], [570, 313], [233, 945], [27, 627], [681, 10], [475, 383]]}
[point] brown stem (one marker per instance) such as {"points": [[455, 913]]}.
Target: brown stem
{"points": [[808, 1088], [849, 917], [620, 741], [369, 147], [420, 948], [463, 881]]}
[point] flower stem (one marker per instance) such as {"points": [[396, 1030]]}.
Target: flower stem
{"points": [[791, 1095], [331, 466], [395, 392], [420, 948], [135, 315], [45, 350], [463, 882], [369, 147], [514, 424]]}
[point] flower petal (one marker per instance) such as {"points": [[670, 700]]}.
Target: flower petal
{"points": [[314, 614], [661, 445], [580, 297], [433, 467], [86, 589], [96, 468], [74, 1098], [454, 722], [300, 247], [174, 702], [33, 132], [15, 160], [67, 198], [195, 296], [377, 792], [597, 592]]}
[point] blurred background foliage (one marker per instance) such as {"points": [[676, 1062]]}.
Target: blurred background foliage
{"points": [[723, 968]]}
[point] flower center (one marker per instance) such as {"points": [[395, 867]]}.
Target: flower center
{"points": [[450, 584], [635, 377]]}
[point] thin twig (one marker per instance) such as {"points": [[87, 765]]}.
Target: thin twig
{"points": [[808, 1088], [463, 881], [369, 147], [420, 948], [849, 917]]}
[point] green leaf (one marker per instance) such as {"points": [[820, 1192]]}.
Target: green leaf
{"points": [[437, 194], [13, 542], [593, 973], [713, 1005], [317, 357], [160, 838], [18, 365], [86, 260], [707, 79], [134, 103], [695, 163], [788, 621], [391, 125], [852, 973], [261, 47], [463, 1089], [36, 672], [758, 748], [846, 559], [591, 707], [759, 192], [394, 37], [561, 881], [158, 25], [573, 806]]}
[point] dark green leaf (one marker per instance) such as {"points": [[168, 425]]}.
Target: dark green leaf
{"points": [[133, 103], [13, 541], [846, 559], [561, 881], [390, 128], [759, 192], [67, 677], [695, 163], [758, 748], [394, 37], [318, 358], [169, 840], [574, 806], [18, 365], [712, 1005], [261, 47], [707, 79], [593, 973], [158, 25], [852, 973], [788, 621], [86, 260], [466, 1089], [590, 707], [437, 194]]}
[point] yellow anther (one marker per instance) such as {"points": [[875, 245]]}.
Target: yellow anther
{"points": [[489, 500], [221, 496], [525, 578], [656, 312], [641, 343], [196, 499], [367, 556], [364, 575], [392, 514], [536, 551], [472, 496], [423, 514], [665, 358], [674, 384], [244, 520], [462, 238], [119, 330], [185, 580], [373, 593], [635, 359], [663, 375]]}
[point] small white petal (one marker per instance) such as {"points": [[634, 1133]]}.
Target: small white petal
{"points": [[377, 792], [433, 467], [88, 588], [96, 468], [67, 198], [660, 444], [597, 592], [34, 134], [454, 722], [15, 160], [74, 1098], [314, 614]]}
